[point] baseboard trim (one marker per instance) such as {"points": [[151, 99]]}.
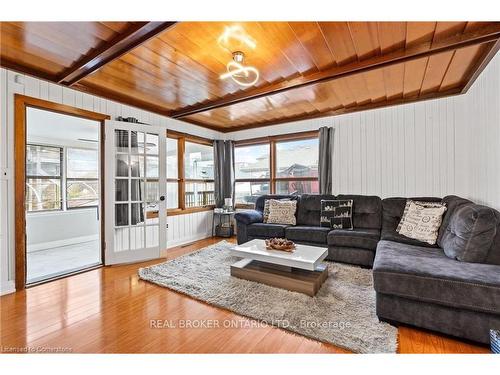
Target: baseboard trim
{"points": [[187, 240], [7, 287]]}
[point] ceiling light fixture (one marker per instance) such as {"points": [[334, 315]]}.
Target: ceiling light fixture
{"points": [[236, 70], [241, 74]]}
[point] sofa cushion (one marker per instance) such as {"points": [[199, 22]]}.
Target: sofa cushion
{"points": [[248, 217], [470, 233], [263, 230], [392, 211], [452, 202], [351, 255], [358, 237], [428, 275], [494, 254], [367, 210], [309, 208], [305, 233]]}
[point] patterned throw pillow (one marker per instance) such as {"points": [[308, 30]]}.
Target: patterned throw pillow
{"points": [[336, 214], [422, 223], [282, 212], [265, 211], [421, 203], [327, 208]]}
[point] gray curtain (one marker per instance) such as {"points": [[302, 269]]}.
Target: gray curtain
{"points": [[326, 136], [224, 171]]}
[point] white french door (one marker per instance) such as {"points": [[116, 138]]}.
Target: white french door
{"points": [[135, 189]]}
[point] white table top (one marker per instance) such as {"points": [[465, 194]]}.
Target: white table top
{"points": [[304, 257]]}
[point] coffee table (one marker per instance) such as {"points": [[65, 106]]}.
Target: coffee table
{"points": [[301, 271]]}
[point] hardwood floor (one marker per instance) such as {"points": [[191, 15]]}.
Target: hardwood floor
{"points": [[109, 310]]}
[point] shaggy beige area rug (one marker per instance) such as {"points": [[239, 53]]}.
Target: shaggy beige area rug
{"points": [[342, 312]]}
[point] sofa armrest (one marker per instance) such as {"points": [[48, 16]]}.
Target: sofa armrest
{"points": [[248, 217]]}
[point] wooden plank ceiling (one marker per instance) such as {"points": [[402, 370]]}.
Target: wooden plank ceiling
{"points": [[307, 69]]}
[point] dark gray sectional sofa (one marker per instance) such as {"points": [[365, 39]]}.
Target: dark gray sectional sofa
{"points": [[355, 246], [452, 287]]}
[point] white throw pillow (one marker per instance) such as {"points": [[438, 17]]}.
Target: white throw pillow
{"points": [[420, 203], [422, 223], [282, 212], [265, 212]]}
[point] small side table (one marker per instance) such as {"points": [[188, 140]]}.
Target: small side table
{"points": [[223, 219]]}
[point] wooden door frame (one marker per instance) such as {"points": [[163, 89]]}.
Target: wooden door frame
{"points": [[21, 103]]}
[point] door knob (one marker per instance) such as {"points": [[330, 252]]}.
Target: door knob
{"points": [[162, 198]]}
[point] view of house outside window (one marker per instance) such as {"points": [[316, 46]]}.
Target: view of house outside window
{"points": [[296, 169], [252, 172], [297, 159]]}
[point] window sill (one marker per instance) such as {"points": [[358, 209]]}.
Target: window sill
{"points": [[190, 210]]}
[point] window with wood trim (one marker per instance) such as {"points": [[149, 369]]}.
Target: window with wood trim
{"points": [[276, 165], [190, 173], [252, 172], [296, 166]]}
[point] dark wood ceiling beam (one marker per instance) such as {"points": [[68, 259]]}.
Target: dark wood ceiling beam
{"points": [[137, 34], [481, 36], [341, 111], [490, 53]]}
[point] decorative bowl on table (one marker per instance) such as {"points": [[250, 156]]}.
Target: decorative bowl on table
{"points": [[281, 244]]}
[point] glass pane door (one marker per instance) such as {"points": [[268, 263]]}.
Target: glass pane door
{"points": [[136, 216]]}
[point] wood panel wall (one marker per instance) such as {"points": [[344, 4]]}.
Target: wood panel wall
{"points": [[182, 228], [434, 148]]}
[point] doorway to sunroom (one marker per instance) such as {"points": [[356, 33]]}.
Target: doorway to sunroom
{"points": [[63, 215]]}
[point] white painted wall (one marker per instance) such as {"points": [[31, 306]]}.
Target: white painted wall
{"points": [[432, 148], [188, 228], [182, 228]]}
